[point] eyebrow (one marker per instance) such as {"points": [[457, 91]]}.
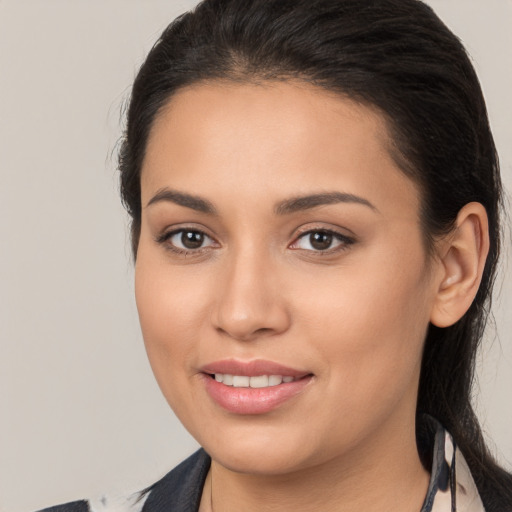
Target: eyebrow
{"points": [[182, 199], [301, 203], [295, 204]]}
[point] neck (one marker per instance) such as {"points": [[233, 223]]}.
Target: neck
{"points": [[386, 475]]}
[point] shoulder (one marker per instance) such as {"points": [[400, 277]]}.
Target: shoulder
{"points": [[451, 486], [74, 506], [179, 490]]}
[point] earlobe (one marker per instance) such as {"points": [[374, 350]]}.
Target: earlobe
{"points": [[462, 263]]}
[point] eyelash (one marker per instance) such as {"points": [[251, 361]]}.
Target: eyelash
{"points": [[164, 239], [344, 241]]}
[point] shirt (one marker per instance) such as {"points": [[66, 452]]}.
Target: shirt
{"points": [[451, 487]]}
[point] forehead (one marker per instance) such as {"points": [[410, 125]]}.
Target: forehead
{"points": [[271, 138]]}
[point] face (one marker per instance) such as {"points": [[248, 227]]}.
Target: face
{"points": [[281, 253]]}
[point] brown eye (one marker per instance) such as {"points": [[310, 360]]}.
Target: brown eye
{"points": [[320, 241], [192, 239], [183, 240]]}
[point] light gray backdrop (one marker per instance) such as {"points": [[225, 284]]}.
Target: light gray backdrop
{"points": [[79, 411]]}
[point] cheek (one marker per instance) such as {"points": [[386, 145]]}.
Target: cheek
{"points": [[172, 314], [372, 319], [171, 317]]}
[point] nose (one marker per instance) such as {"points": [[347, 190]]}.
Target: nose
{"points": [[250, 302]]}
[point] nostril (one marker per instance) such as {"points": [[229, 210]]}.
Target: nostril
{"points": [[263, 330], [250, 323]]}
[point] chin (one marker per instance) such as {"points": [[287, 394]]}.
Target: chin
{"points": [[267, 452], [258, 461]]}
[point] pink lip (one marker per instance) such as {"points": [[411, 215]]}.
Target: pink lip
{"points": [[252, 368], [252, 400]]}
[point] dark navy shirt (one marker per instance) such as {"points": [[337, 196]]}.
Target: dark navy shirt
{"points": [[451, 487]]}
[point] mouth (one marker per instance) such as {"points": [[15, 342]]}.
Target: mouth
{"points": [[255, 387], [255, 382]]}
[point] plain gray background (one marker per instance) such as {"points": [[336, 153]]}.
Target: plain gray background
{"points": [[80, 413]]}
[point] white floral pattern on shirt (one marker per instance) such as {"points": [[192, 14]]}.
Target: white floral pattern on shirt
{"points": [[451, 487], [462, 494]]}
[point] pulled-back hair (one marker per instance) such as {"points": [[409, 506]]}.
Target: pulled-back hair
{"points": [[398, 57]]}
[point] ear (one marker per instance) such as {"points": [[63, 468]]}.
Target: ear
{"points": [[462, 260]]}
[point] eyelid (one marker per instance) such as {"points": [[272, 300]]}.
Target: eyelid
{"points": [[164, 237], [345, 240]]}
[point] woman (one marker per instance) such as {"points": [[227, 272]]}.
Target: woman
{"points": [[315, 197]]}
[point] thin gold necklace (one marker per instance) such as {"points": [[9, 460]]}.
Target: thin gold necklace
{"points": [[211, 489]]}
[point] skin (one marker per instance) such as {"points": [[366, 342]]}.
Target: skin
{"points": [[354, 316]]}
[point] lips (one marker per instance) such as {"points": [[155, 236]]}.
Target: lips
{"points": [[254, 387]]}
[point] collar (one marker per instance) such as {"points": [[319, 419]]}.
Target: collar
{"points": [[451, 487]]}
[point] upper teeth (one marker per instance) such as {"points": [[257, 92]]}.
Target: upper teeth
{"points": [[243, 381]]}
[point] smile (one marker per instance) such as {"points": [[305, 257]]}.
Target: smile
{"points": [[253, 387], [259, 381]]}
